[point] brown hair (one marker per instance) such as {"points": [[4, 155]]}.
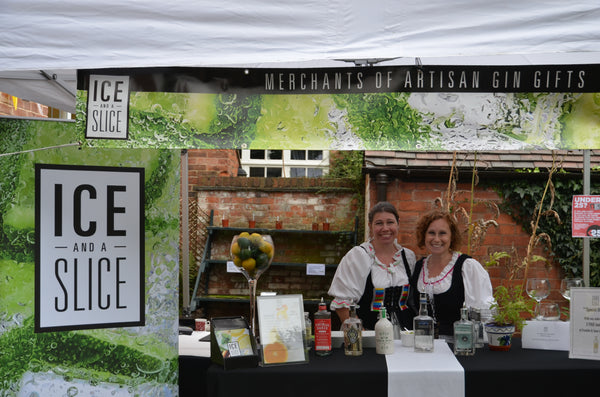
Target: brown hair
{"points": [[425, 221], [383, 206]]}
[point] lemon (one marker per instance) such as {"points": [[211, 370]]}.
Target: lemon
{"points": [[256, 239], [267, 249], [237, 261], [249, 264], [235, 248], [244, 234]]}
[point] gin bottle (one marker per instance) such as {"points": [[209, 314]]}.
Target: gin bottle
{"points": [[464, 335], [322, 330], [475, 316], [352, 329], [423, 327], [384, 334], [307, 332]]}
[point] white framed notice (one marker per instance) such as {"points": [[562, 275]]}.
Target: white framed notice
{"points": [[90, 263], [107, 107], [281, 327], [585, 323]]}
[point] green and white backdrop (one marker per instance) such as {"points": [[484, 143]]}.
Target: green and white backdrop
{"points": [[397, 108]]}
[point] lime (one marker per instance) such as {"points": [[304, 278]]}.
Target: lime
{"points": [[245, 253], [262, 260], [243, 242]]}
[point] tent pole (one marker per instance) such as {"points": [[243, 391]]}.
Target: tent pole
{"points": [[586, 240], [185, 230]]}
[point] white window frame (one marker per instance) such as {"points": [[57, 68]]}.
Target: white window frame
{"points": [[286, 163]]}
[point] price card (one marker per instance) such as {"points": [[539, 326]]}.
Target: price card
{"points": [[232, 268], [315, 269], [586, 216], [585, 323]]}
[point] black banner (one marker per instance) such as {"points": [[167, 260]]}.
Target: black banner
{"points": [[530, 78]]}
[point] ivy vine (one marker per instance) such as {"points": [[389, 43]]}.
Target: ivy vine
{"points": [[520, 196]]}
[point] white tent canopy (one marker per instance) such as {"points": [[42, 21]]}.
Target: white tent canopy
{"points": [[61, 37]]}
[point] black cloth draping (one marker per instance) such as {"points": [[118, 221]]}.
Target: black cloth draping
{"points": [[527, 372], [333, 375]]}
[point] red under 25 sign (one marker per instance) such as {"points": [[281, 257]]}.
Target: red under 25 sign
{"points": [[90, 247], [586, 216]]}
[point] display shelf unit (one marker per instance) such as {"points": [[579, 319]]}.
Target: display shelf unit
{"points": [[207, 263]]}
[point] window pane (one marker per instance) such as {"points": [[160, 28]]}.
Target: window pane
{"points": [[297, 172], [298, 155], [275, 154], [257, 171], [273, 172], [315, 155], [257, 154], [314, 172]]}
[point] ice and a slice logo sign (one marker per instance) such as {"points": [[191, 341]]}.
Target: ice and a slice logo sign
{"points": [[107, 108], [90, 247]]}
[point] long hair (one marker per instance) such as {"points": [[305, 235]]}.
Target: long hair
{"points": [[425, 221]]}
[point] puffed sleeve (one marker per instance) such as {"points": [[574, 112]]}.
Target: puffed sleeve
{"points": [[478, 287], [350, 277]]}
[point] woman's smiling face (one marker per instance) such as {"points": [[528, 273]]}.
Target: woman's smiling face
{"points": [[438, 237], [384, 227]]}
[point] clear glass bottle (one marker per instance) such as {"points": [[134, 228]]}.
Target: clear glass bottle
{"points": [[475, 317], [352, 329], [464, 335], [423, 327], [384, 334], [322, 330], [307, 332]]}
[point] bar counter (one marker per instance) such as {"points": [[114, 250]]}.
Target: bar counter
{"points": [[518, 372]]}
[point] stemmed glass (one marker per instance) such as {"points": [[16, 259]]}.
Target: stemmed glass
{"points": [[538, 289], [567, 283], [252, 254]]}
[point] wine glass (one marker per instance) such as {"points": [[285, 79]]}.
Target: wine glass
{"points": [[567, 283], [252, 254], [538, 289]]}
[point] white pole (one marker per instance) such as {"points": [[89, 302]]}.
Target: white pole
{"points": [[586, 240]]}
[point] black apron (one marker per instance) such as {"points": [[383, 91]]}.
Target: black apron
{"points": [[447, 305], [392, 296]]}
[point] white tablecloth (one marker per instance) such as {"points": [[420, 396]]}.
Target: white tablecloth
{"points": [[190, 345], [425, 374]]}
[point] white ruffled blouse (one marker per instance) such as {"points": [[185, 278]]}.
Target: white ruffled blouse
{"points": [[350, 277], [478, 287]]}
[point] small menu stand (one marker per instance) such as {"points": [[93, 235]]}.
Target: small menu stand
{"points": [[232, 344]]}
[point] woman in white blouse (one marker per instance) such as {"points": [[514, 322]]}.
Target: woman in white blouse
{"points": [[376, 273], [449, 278]]}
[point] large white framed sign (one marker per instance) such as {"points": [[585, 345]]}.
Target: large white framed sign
{"points": [[89, 224], [585, 323]]}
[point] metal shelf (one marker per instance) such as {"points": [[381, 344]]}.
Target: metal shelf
{"points": [[206, 263]]}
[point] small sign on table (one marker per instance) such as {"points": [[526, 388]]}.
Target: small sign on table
{"points": [[585, 323]]}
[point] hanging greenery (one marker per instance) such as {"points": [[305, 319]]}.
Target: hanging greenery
{"points": [[520, 197]]}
